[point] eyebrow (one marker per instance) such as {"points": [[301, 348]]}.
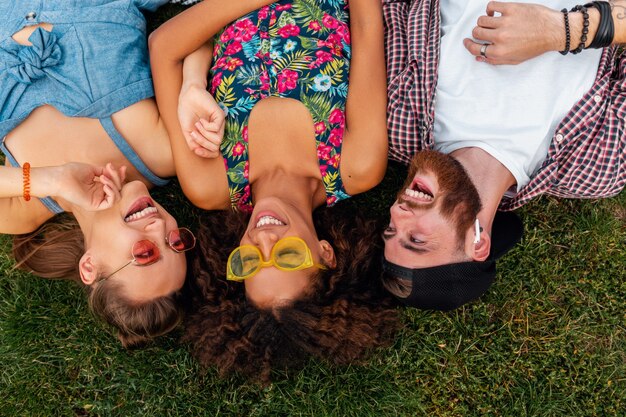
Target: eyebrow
{"points": [[404, 244]]}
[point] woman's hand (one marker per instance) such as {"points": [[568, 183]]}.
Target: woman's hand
{"points": [[201, 120], [91, 188], [521, 32]]}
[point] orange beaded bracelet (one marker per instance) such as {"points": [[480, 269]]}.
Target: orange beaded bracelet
{"points": [[26, 176]]}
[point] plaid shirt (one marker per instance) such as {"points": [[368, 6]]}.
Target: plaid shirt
{"points": [[587, 155]]}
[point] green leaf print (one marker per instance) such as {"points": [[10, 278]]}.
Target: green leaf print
{"points": [[286, 19], [330, 182], [232, 135], [319, 105], [249, 75], [225, 93], [296, 61], [236, 173], [334, 69], [307, 11]]}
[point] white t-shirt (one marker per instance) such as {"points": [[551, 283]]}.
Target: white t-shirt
{"points": [[509, 111]]}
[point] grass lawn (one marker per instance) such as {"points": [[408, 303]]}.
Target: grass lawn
{"points": [[548, 339]]}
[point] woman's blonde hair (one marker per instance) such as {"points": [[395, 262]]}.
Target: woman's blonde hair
{"points": [[54, 250]]}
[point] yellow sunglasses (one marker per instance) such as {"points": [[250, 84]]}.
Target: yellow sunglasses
{"points": [[288, 254]]}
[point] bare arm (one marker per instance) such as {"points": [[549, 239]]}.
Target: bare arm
{"points": [[518, 32], [364, 150], [203, 180]]}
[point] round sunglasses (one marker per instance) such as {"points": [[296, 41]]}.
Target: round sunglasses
{"points": [[146, 252]]}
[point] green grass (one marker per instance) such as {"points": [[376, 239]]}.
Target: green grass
{"points": [[548, 339]]}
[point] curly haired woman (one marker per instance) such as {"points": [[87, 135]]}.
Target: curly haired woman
{"points": [[295, 118]]}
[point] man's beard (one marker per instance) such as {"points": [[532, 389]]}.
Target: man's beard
{"points": [[459, 200]]}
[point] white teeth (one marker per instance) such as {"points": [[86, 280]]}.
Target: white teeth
{"points": [[417, 194], [265, 220], [140, 214]]}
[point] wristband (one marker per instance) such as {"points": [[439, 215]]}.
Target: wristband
{"points": [[26, 180], [606, 27], [585, 29], [567, 35]]}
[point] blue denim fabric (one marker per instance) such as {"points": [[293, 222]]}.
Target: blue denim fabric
{"points": [[93, 63]]}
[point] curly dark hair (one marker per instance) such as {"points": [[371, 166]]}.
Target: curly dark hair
{"points": [[343, 317]]}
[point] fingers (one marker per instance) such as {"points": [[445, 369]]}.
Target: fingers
{"points": [[489, 22], [496, 7], [117, 176], [111, 193], [211, 141]]}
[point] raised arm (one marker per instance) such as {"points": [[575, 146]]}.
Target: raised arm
{"points": [[202, 180], [518, 32], [364, 151], [88, 187]]}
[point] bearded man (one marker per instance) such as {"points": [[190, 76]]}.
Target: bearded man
{"points": [[501, 134]]}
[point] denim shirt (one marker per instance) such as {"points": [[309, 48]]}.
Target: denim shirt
{"points": [[93, 63]]}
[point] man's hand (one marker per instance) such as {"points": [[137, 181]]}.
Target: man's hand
{"points": [[519, 32], [201, 120], [91, 188]]}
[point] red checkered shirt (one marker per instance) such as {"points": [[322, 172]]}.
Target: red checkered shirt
{"points": [[587, 155]]}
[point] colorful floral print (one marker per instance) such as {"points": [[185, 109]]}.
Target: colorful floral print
{"points": [[293, 48]]}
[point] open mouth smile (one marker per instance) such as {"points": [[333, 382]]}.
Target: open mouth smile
{"points": [[141, 209], [420, 192]]}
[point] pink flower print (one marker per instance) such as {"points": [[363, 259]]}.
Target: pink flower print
{"points": [[238, 149], [233, 63], [273, 17], [289, 30], [320, 127], [331, 200], [249, 90], [246, 29], [246, 169], [323, 170], [329, 21], [225, 163], [344, 32], [323, 152], [264, 35], [336, 136], [281, 7], [244, 134], [265, 80], [315, 26], [336, 117], [323, 56], [233, 48], [221, 62], [333, 42], [227, 35], [263, 12], [216, 81], [287, 80], [334, 161]]}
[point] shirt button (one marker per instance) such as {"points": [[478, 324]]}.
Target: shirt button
{"points": [[559, 138], [30, 16], [263, 28], [597, 98]]}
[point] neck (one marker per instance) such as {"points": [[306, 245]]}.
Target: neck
{"points": [[303, 192], [491, 178], [84, 218]]}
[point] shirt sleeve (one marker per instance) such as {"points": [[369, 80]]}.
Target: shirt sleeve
{"points": [[591, 159], [149, 5]]}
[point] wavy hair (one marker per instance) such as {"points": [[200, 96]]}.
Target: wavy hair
{"points": [[344, 316], [54, 250]]}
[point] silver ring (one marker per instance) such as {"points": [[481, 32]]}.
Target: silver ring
{"points": [[483, 50]]}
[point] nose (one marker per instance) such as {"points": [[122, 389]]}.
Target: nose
{"points": [[265, 240], [401, 210]]}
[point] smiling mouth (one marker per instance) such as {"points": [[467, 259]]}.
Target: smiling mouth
{"points": [[419, 191], [141, 209], [268, 220]]}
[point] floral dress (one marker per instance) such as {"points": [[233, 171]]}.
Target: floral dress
{"points": [[293, 48]]}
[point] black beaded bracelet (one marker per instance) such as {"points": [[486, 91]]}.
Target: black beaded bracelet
{"points": [[606, 27], [585, 29], [567, 35]]}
